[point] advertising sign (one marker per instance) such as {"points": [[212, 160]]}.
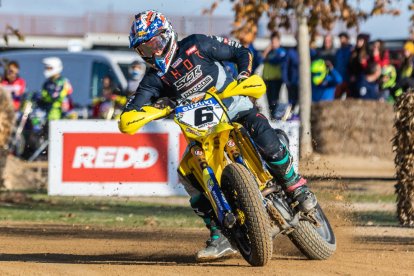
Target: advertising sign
{"points": [[91, 157]]}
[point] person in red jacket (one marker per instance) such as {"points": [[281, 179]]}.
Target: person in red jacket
{"points": [[13, 83], [379, 54]]}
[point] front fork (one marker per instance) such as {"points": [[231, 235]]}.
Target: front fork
{"points": [[222, 207]]}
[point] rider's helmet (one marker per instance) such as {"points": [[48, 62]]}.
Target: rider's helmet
{"points": [[53, 66], [389, 77], [319, 71], [154, 39]]}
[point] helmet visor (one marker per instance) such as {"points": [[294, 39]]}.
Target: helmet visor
{"points": [[154, 46]]}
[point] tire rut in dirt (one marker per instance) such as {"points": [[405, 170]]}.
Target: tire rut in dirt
{"points": [[240, 180], [310, 242]]}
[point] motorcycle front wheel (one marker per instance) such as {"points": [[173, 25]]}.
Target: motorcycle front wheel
{"points": [[251, 232]]}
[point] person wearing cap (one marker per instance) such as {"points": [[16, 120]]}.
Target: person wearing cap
{"points": [[55, 95], [405, 74], [13, 83], [136, 72], [406, 69], [324, 80]]}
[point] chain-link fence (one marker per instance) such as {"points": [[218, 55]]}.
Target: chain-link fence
{"points": [[48, 25]]}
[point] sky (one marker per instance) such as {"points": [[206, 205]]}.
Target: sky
{"points": [[380, 26]]}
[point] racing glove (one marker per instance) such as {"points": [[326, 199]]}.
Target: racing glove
{"points": [[242, 76]]}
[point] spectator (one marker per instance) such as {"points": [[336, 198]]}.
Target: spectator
{"points": [[343, 56], [13, 83], [136, 72], [55, 95], [342, 59], [405, 76], [324, 80], [367, 86], [290, 76], [390, 90], [359, 57], [274, 61], [406, 69], [379, 54], [327, 52], [110, 105]]}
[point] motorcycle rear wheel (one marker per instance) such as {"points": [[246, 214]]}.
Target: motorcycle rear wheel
{"points": [[316, 243], [253, 237]]}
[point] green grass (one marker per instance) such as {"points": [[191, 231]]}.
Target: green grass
{"points": [[377, 218], [369, 197], [124, 212], [109, 212]]}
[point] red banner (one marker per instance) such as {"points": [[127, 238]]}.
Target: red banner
{"points": [[113, 157]]}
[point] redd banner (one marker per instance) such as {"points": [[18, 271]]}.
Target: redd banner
{"points": [[89, 157], [113, 157]]}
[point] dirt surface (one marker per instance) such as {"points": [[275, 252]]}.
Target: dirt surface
{"points": [[65, 250], [336, 166]]}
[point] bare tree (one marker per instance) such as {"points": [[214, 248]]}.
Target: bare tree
{"points": [[10, 31]]}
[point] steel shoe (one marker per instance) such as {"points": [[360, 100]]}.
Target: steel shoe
{"points": [[301, 193], [218, 246]]}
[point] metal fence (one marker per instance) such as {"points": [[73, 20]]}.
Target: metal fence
{"points": [[109, 22]]}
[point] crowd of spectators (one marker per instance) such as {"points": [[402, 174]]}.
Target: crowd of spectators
{"points": [[54, 97], [363, 70]]}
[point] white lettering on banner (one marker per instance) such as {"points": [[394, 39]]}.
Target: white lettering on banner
{"points": [[115, 157], [75, 156]]}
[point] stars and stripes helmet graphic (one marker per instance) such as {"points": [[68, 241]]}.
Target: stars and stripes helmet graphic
{"points": [[154, 39]]}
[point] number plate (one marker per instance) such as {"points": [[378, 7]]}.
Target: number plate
{"points": [[201, 115]]}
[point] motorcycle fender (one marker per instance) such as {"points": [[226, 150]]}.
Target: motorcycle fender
{"points": [[253, 86]]}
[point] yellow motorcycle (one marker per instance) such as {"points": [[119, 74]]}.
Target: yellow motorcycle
{"points": [[222, 158]]}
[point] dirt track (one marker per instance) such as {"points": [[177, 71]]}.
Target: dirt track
{"points": [[63, 250]]}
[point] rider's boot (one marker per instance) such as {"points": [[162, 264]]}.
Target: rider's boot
{"points": [[294, 184], [217, 246]]}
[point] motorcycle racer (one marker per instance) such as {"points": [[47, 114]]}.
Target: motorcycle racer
{"points": [[55, 95], [182, 70]]}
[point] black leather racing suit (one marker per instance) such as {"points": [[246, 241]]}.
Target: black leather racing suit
{"points": [[197, 66]]}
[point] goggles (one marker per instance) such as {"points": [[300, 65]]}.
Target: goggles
{"points": [[154, 46]]}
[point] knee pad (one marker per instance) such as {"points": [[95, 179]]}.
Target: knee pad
{"points": [[283, 137]]}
